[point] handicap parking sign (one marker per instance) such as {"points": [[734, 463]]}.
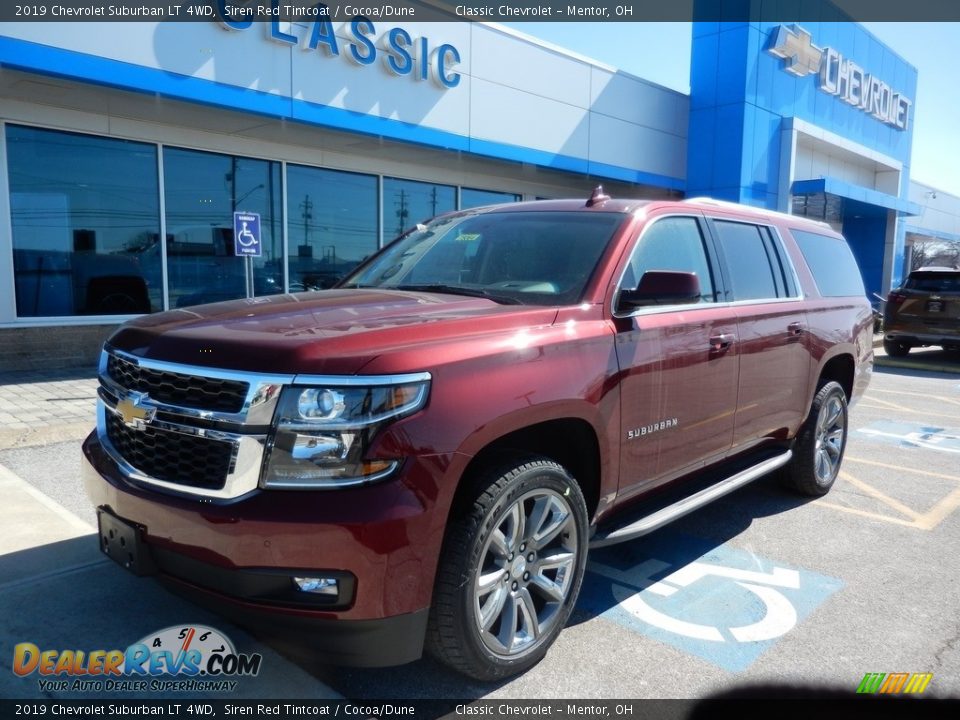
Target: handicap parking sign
{"points": [[724, 605], [246, 234]]}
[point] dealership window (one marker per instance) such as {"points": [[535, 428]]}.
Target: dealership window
{"points": [[202, 190], [85, 214], [407, 202], [470, 198], [332, 224]]}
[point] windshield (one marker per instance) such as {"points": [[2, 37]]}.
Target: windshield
{"points": [[532, 258]]}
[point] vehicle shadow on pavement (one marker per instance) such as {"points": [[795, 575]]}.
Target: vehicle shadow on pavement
{"points": [[916, 370], [679, 544], [65, 595], [427, 679]]}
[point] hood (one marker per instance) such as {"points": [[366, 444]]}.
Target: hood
{"points": [[326, 332]]}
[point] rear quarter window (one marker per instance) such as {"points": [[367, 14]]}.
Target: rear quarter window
{"points": [[832, 264]]}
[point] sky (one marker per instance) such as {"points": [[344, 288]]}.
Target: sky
{"points": [[660, 52]]}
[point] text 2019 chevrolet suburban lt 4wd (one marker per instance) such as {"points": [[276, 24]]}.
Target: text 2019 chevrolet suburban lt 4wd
{"points": [[422, 456]]}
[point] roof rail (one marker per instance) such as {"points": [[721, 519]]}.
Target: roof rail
{"points": [[761, 210]]}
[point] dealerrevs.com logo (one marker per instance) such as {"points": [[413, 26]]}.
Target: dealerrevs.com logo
{"points": [[188, 658]]}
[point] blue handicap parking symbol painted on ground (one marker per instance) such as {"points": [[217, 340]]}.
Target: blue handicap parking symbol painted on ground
{"points": [[725, 605], [906, 435], [246, 234]]}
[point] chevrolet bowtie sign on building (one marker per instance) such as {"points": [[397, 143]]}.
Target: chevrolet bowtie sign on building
{"points": [[839, 77]]}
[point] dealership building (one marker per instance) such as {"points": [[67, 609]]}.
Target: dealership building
{"points": [[126, 149]]}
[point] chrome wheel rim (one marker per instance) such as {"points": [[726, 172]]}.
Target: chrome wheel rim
{"points": [[831, 429], [526, 572]]}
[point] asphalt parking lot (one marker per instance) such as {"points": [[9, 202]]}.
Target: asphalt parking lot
{"points": [[762, 587]]}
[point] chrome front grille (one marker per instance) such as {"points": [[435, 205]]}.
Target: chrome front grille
{"points": [[172, 457], [173, 388], [185, 429]]}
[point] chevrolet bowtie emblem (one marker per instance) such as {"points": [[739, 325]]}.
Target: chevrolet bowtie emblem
{"points": [[134, 411], [801, 57]]}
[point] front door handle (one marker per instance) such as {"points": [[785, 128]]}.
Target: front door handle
{"points": [[719, 343], [795, 328]]}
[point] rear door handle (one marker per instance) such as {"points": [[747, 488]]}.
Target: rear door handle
{"points": [[719, 343]]}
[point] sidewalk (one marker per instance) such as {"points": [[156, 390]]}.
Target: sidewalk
{"points": [[38, 407]]}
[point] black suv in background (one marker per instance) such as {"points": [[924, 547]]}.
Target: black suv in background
{"points": [[925, 310]]}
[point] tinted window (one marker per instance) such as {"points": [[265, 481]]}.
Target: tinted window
{"points": [[940, 282], [85, 213], [332, 219], [672, 244], [470, 198], [202, 191], [535, 258], [407, 202], [750, 261], [832, 263]]}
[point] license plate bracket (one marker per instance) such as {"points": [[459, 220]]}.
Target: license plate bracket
{"points": [[935, 306], [123, 543]]}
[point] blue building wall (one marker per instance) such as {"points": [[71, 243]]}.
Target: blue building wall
{"points": [[740, 97]]}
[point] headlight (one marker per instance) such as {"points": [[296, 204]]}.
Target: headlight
{"points": [[322, 433]]}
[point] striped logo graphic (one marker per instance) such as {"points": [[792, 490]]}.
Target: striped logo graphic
{"points": [[894, 683]]}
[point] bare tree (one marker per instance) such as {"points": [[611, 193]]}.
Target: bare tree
{"points": [[931, 252]]}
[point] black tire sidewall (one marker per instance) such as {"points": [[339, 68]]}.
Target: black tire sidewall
{"points": [[895, 348], [534, 475], [803, 475]]}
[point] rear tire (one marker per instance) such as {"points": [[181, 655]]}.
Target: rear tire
{"points": [[895, 348], [820, 444], [510, 571]]}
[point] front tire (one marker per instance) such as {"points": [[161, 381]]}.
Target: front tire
{"points": [[511, 570], [818, 450]]}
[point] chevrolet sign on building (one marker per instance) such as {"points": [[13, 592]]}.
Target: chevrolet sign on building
{"points": [[839, 77]]}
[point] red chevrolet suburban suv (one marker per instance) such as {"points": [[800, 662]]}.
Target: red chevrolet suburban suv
{"points": [[422, 456]]}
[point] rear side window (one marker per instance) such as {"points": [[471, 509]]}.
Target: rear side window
{"points": [[832, 263], [756, 266]]}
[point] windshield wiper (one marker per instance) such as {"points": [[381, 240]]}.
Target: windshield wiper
{"points": [[459, 290]]}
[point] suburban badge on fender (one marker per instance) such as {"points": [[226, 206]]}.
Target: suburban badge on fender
{"points": [[134, 411], [652, 428]]}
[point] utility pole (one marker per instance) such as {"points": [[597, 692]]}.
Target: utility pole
{"points": [[402, 212], [307, 215]]}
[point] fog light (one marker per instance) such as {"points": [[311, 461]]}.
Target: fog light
{"points": [[317, 585]]}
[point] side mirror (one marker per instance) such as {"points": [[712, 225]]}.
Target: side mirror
{"points": [[662, 287]]}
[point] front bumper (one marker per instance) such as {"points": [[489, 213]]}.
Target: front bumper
{"points": [[237, 556]]}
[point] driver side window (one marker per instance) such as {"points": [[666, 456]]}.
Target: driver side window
{"points": [[673, 243]]}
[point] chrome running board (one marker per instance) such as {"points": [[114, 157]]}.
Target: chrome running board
{"points": [[659, 518]]}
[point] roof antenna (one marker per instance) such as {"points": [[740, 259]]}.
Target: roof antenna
{"points": [[597, 197]]}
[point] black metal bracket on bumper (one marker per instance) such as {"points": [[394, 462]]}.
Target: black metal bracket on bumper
{"points": [[123, 543]]}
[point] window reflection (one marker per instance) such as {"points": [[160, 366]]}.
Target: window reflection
{"points": [[407, 202], [332, 220], [470, 198], [202, 191], [85, 214]]}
